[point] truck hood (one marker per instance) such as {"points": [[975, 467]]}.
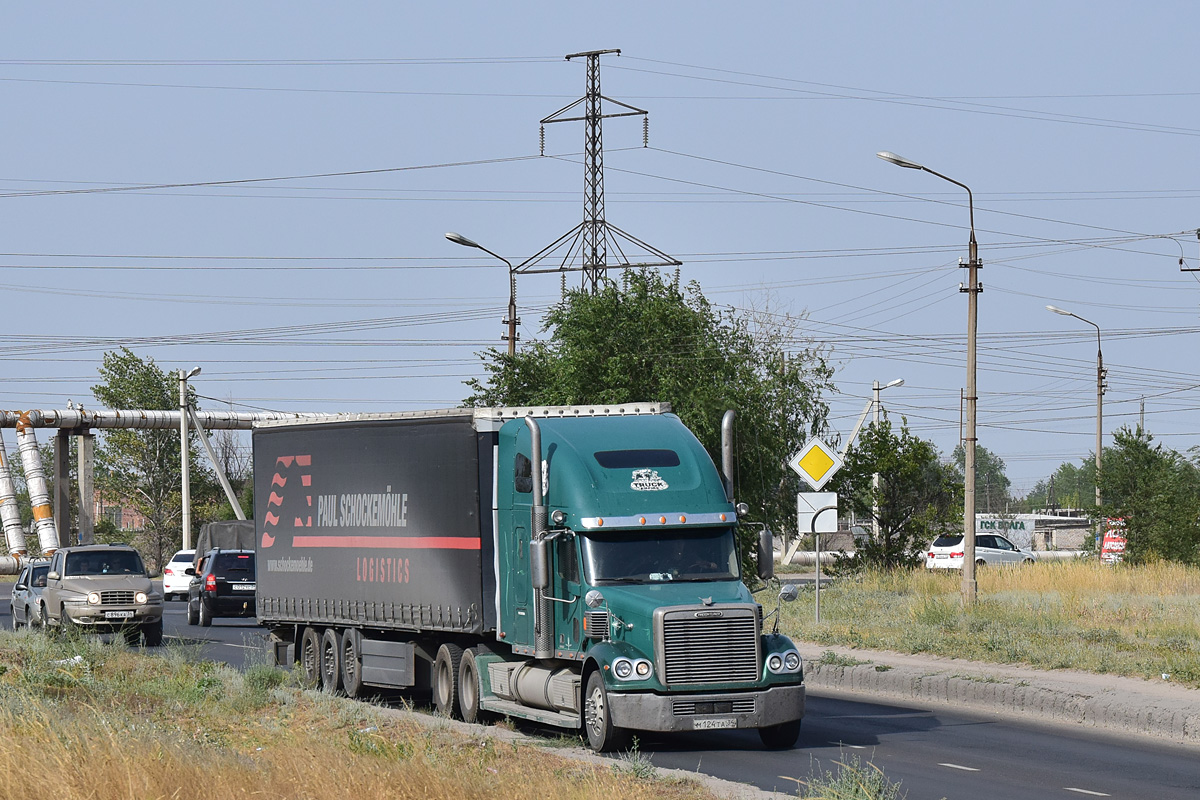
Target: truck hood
{"points": [[636, 603]]}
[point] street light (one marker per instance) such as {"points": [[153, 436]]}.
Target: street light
{"points": [[876, 388], [512, 320], [973, 288], [185, 455], [1099, 391]]}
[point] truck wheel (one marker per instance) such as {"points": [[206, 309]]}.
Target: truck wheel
{"points": [[468, 687], [352, 662], [445, 679], [193, 614], [602, 735], [780, 737], [331, 667], [206, 615], [310, 658], [152, 633]]}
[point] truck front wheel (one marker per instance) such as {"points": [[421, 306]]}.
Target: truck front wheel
{"points": [[780, 737], [602, 735], [445, 679]]}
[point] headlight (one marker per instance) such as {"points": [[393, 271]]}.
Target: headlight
{"points": [[775, 662], [139, 598], [94, 598], [623, 668], [791, 660], [642, 667]]}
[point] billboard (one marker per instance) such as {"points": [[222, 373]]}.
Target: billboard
{"points": [[1112, 546]]}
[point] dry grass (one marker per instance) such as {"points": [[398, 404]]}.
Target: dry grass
{"points": [[121, 724], [1140, 621]]}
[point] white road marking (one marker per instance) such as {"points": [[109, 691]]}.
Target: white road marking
{"points": [[1086, 791], [856, 746], [957, 766]]}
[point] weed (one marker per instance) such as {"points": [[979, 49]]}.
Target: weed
{"points": [[838, 660]]}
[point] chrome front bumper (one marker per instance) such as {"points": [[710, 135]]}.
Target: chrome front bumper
{"points": [[692, 712]]}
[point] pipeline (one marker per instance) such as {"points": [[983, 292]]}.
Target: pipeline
{"points": [[39, 492], [140, 419], [10, 514]]}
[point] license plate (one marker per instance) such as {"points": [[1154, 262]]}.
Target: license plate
{"points": [[242, 587], [941, 556], [118, 615], [714, 724]]}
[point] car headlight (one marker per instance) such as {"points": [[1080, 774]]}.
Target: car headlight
{"points": [[139, 598], [623, 668], [791, 660], [94, 598]]}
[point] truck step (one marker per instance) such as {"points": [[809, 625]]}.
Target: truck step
{"points": [[510, 709]]}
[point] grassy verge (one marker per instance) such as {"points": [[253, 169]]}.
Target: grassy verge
{"points": [[1136, 621], [99, 721]]}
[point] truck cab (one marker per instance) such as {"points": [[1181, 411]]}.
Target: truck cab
{"points": [[648, 615]]}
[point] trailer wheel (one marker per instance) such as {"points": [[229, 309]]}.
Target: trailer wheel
{"points": [[445, 679], [331, 661], [780, 737], [352, 662], [602, 735], [468, 687], [310, 658]]}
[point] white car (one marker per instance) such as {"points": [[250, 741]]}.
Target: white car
{"points": [[946, 552], [175, 581]]}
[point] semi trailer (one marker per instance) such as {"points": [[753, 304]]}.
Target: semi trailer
{"points": [[574, 566]]}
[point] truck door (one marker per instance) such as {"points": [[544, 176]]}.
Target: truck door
{"points": [[566, 587]]}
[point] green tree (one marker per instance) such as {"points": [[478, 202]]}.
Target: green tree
{"points": [[991, 484], [1070, 486], [142, 467], [649, 339], [1157, 492], [917, 499]]}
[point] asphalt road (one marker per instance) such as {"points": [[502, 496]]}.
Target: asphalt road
{"points": [[933, 753]]}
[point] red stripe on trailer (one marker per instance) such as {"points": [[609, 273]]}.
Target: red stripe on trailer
{"points": [[390, 542]]}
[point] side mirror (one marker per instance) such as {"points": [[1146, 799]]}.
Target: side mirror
{"points": [[190, 571], [153, 573], [539, 564], [20, 586], [53, 576], [766, 554], [789, 593]]}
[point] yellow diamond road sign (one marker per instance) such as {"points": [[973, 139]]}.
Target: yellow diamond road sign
{"points": [[816, 463]]}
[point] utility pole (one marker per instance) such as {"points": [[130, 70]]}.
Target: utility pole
{"points": [[589, 241]]}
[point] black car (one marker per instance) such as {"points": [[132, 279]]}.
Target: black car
{"points": [[223, 585]]}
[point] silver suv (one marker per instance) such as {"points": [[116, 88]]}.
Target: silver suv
{"points": [[102, 588]]}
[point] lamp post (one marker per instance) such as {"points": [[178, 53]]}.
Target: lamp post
{"points": [[876, 388], [973, 288], [1099, 392], [185, 455], [512, 320]]}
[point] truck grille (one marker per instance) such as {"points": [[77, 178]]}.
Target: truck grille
{"points": [[709, 645], [116, 598]]}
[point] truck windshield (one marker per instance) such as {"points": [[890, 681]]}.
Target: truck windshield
{"points": [[706, 554]]}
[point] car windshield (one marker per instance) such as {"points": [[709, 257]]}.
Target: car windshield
{"points": [[104, 562], [706, 554], [37, 578]]}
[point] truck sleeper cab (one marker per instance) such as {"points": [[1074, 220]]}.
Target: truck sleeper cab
{"points": [[573, 566]]}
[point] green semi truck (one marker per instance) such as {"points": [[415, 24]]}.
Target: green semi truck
{"points": [[576, 566]]}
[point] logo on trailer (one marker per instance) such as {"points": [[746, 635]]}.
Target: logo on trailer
{"points": [[295, 500], [647, 480]]}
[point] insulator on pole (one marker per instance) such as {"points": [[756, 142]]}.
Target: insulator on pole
{"points": [[646, 131]]}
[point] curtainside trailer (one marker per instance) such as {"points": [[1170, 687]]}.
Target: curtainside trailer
{"points": [[575, 566]]}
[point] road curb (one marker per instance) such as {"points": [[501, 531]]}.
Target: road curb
{"points": [[1126, 705]]}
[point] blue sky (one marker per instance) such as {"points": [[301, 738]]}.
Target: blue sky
{"points": [[330, 287]]}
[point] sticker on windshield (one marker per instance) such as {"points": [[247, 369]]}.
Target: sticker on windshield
{"points": [[647, 480]]}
